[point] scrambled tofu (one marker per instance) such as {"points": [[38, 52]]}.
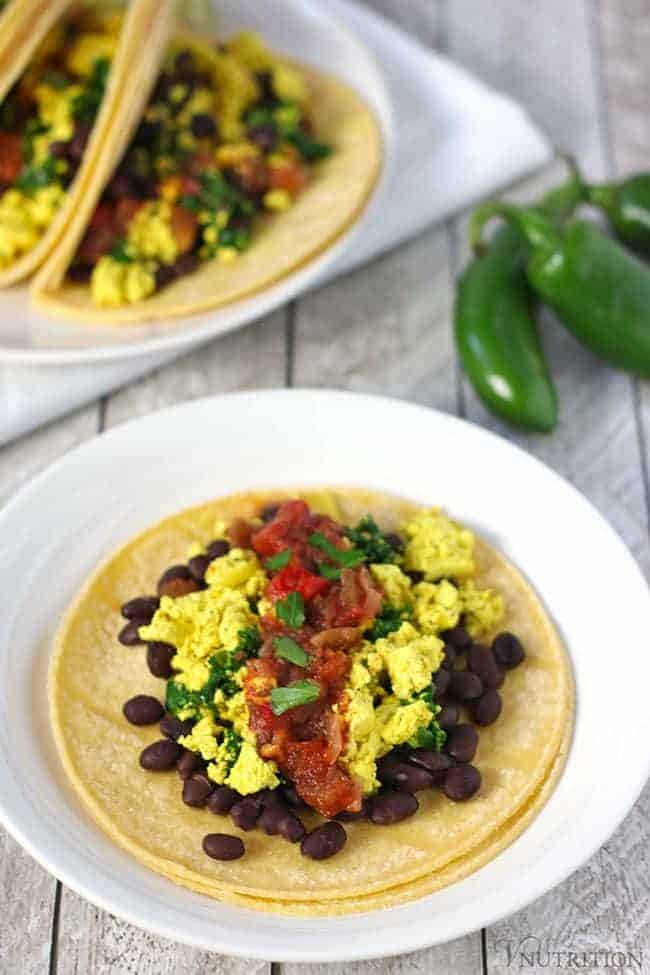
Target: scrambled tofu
{"points": [[396, 585], [436, 606], [203, 737], [483, 609], [438, 547], [240, 570], [114, 283], [379, 720], [199, 625], [410, 659], [24, 218]]}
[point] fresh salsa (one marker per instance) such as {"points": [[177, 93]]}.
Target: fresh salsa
{"points": [[227, 136], [45, 123], [313, 663]]}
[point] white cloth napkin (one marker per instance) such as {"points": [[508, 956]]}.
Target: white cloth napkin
{"points": [[457, 141]]}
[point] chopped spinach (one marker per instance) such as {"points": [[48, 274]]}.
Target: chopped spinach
{"points": [[86, 105], [389, 619], [368, 538]]}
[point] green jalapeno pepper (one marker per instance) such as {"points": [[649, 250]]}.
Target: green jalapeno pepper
{"points": [[599, 290], [626, 204], [495, 326]]}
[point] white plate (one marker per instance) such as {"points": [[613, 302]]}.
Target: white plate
{"points": [[299, 28], [94, 499]]}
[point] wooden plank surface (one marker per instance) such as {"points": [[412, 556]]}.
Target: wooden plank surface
{"points": [[583, 71]]}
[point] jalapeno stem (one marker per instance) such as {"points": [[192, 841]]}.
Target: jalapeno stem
{"points": [[536, 230]]}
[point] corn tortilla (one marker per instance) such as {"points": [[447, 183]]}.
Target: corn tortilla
{"points": [[520, 756]]}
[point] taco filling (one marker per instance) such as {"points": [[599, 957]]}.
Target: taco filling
{"points": [[320, 666], [45, 124], [227, 137]]}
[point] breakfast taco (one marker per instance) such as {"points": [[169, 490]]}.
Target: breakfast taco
{"points": [[62, 68], [239, 167], [312, 703]]}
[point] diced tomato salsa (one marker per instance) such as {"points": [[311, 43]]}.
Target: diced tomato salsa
{"points": [[307, 741]]}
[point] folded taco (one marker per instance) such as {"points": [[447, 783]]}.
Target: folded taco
{"points": [[238, 168], [345, 701], [62, 67]]}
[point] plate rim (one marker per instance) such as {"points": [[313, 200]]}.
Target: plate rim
{"points": [[415, 937], [199, 328]]}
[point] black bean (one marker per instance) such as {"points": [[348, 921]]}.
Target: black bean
{"points": [[448, 716], [128, 635], [269, 511], [198, 565], [140, 608], [173, 727], [415, 576], [176, 581], [324, 841], [263, 136], [203, 126], [271, 798], [58, 149], [459, 637], [196, 790], [245, 813], [222, 846], [508, 650], [462, 742], [164, 275], [292, 797], [395, 541], [389, 807], [271, 818], [218, 548], [159, 658], [480, 660], [402, 775], [143, 709], [352, 817], [222, 800], [79, 141], [160, 756], [462, 782], [488, 708], [186, 264], [465, 686], [121, 185], [498, 679], [292, 828], [436, 763], [441, 680], [188, 764], [449, 657]]}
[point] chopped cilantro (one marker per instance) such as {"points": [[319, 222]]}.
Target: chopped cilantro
{"points": [[86, 105], [223, 667], [288, 649], [389, 619], [34, 178], [232, 742], [346, 557], [55, 79], [178, 697], [300, 692], [291, 610], [309, 148], [216, 194], [329, 571], [368, 538], [433, 736], [279, 561], [122, 252]]}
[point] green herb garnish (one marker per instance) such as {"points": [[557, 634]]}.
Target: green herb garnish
{"points": [[288, 649], [178, 697], [249, 642], [432, 737], [122, 252], [291, 610], [346, 557], [55, 79], [300, 692], [86, 105], [329, 571], [34, 178], [309, 148], [279, 561], [368, 538], [223, 667], [389, 619], [232, 742]]}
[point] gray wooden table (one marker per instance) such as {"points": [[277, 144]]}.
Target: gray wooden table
{"points": [[582, 68]]}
